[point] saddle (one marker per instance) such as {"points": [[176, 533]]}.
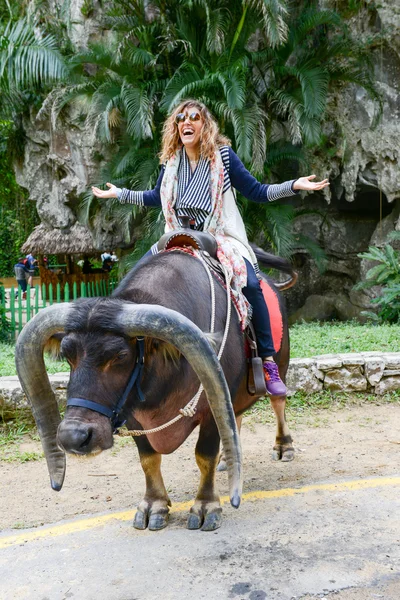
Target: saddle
{"points": [[199, 240], [206, 243]]}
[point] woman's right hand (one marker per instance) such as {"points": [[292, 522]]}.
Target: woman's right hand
{"points": [[110, 193]]}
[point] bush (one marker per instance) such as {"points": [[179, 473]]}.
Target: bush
{"points": [[18, 215], [387, 275]]}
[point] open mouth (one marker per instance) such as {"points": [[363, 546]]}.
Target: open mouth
{"points": [[187, 132]]}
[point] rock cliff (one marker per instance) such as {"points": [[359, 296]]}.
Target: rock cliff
{"points": [[362, 205]]}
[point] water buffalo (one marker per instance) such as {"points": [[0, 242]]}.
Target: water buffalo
{"points": [[166, 300]]}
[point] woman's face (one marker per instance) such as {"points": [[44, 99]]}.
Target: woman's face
{"points": [[190, 125]]}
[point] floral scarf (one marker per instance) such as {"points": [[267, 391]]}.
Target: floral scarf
{"points": [[227, 254]]}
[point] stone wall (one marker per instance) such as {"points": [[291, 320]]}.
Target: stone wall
{"points": [[372, 372]]}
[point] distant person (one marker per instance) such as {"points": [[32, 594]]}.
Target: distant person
{"points": [[31, 263], [106, 261], [114, 257], [105, 256], [86, 266], [107, 265], [21, 275]]}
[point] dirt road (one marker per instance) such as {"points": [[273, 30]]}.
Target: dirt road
{"points": [[330, 529]]}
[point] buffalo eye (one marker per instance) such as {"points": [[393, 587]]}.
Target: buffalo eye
{"points": [[120, 356]]}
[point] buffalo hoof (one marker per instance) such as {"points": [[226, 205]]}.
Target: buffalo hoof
{"points": [[152, 516], [283, 454], [206, 517], [158, 521]]}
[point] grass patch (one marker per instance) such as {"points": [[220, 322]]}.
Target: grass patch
{"points": [[16, 429], [7, 362], [22, 457], [310, 339]]}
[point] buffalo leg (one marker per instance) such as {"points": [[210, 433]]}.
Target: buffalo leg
{"points": [[206, 513], [283, 449], [153, 511]]}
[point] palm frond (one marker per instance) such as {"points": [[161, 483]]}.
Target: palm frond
{"points": [[186, 82], [311, 19], [28, 57], [234, 85], [137, 56], [273, 14], [218, 21], [138, 111], [248, 127], [314, 250]]}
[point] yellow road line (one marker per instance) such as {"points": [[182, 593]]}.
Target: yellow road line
{"points": [[91, 523]]}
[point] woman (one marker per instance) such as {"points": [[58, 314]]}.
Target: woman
{"points": [[198, 173]]}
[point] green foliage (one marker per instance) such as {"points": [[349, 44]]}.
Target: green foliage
{"points": [[87, 8], [29, 61], [17, 215], [385, 274], [28, 57]]}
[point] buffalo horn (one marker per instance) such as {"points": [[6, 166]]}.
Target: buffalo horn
{"points": [[35, 383], [174, 328]]}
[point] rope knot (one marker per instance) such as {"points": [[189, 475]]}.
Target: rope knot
{"points": [[188, 411]]}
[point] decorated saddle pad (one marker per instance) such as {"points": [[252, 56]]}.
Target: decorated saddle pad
{"points": [[275, 313]]}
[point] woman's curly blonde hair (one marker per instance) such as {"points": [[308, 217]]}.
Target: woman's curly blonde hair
{"points": [[211, 139]]}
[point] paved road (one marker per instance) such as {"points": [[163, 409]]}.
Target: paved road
{"points": [[280, 545]]}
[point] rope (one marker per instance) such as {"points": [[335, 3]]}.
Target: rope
{"points": [[190, 409]]}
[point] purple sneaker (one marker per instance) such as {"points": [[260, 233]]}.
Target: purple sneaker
{"points": [[274, 384]]}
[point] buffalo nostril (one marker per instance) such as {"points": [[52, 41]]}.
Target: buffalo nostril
{"points": [[75, 438], [89, 436]]}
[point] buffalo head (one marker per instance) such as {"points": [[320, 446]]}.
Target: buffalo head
{"points": [[100, 346]]}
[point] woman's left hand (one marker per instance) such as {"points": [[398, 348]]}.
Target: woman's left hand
{"points": [[305, 183]]}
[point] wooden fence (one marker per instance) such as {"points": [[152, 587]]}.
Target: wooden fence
{"points": [[21, 308]]}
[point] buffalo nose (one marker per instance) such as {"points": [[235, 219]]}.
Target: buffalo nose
{"points": [[75, 437]]}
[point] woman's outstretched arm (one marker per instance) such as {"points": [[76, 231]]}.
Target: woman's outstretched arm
{"points": [[125, 196], [252, 189]]}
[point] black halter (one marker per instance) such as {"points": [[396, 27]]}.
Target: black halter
{"points": [[135, 380]]}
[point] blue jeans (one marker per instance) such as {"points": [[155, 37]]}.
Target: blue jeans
{"points": [[22, 283], [261, 320]]}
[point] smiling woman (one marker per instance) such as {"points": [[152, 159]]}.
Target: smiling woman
{"points": [[199, 171]]}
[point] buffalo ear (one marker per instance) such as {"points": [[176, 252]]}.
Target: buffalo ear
{"points": [[53, 346], [168, 352]]}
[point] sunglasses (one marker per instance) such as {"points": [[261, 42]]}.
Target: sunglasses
{"points": [[193, 116]]}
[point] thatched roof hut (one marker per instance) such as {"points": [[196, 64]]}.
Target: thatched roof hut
{"points": [[44, 240], [68, 246]]}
